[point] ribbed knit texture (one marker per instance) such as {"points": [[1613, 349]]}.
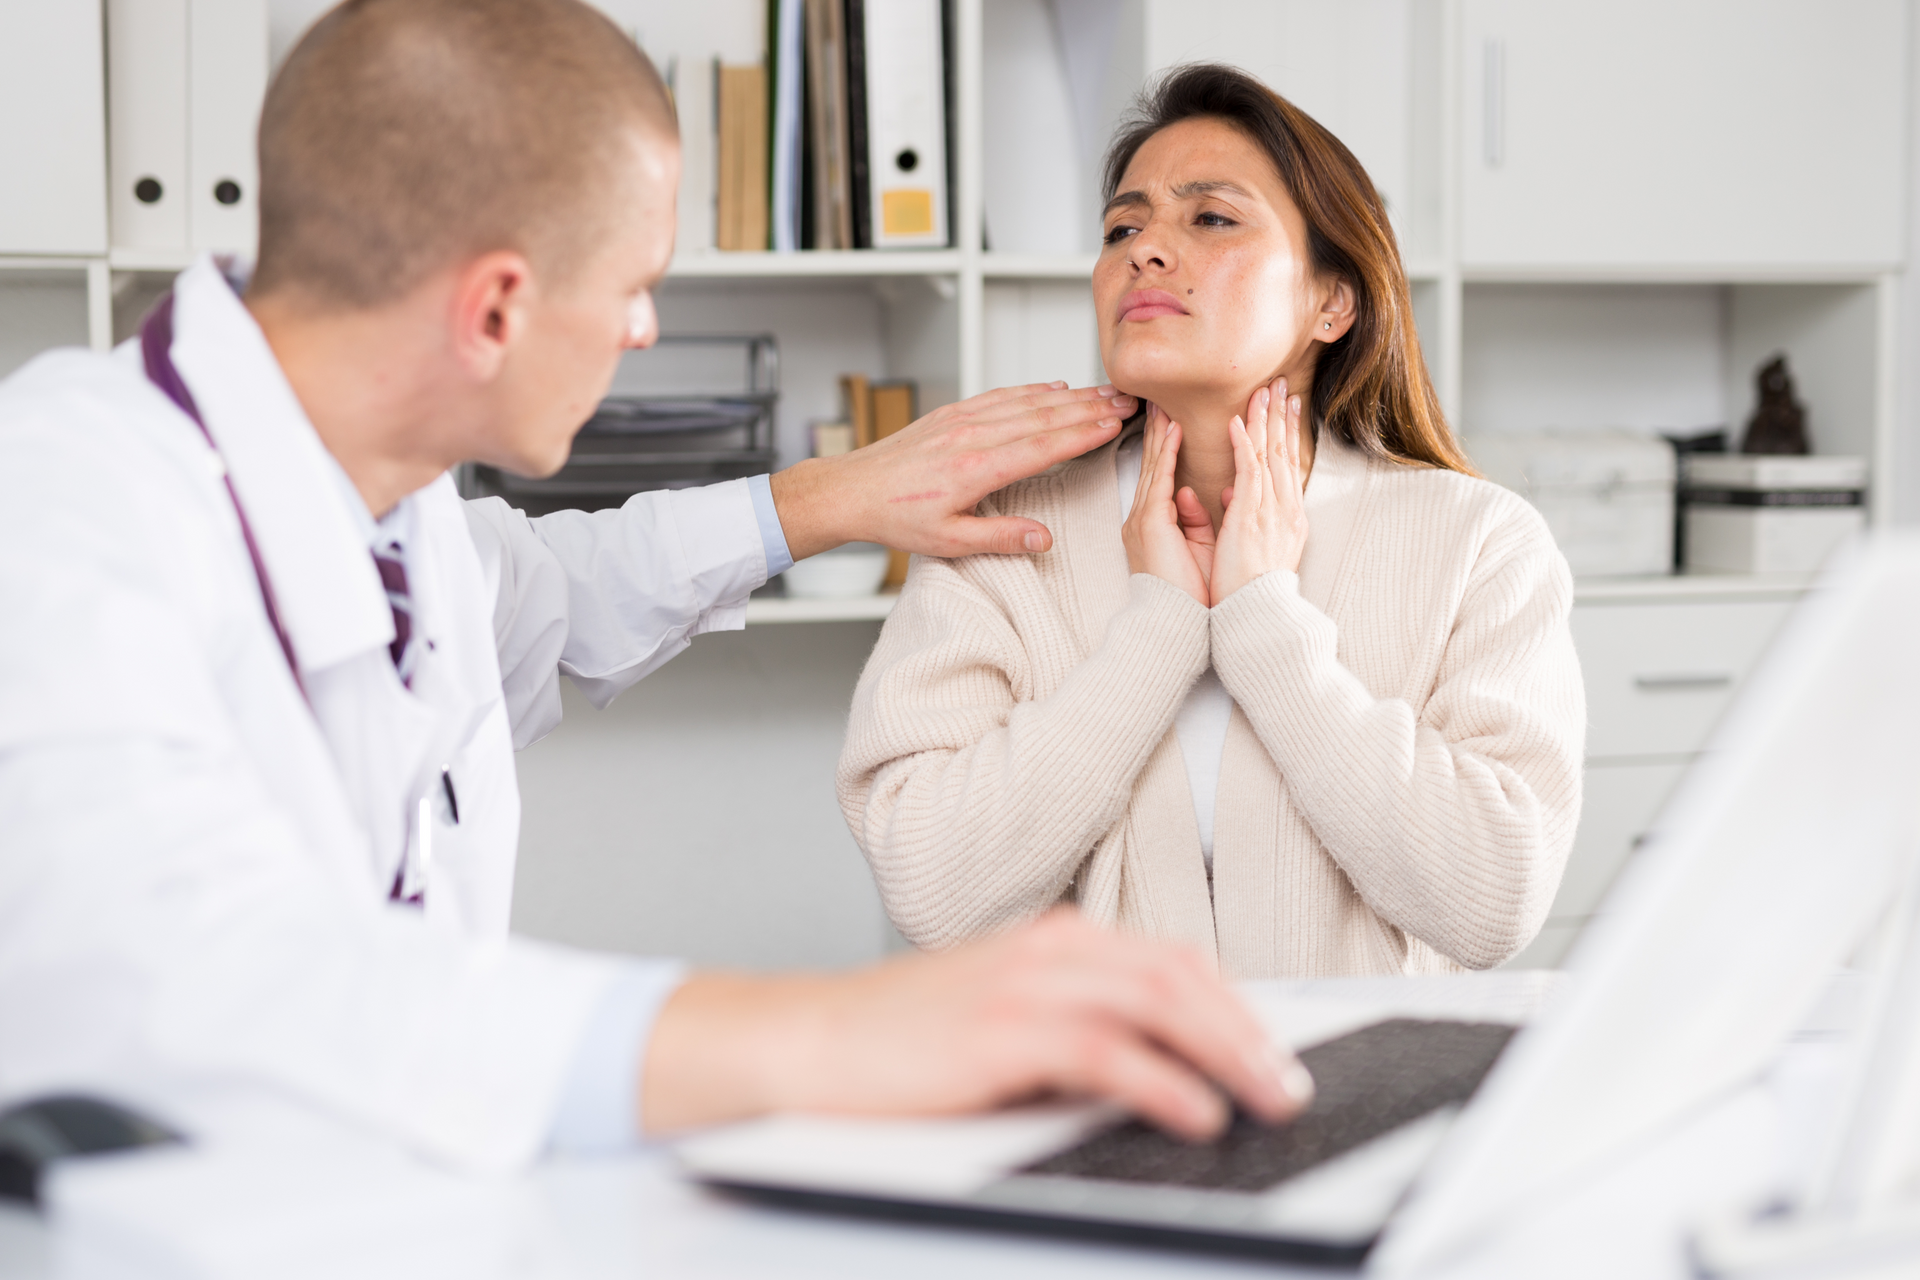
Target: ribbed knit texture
{"points": [[1401, 779]]}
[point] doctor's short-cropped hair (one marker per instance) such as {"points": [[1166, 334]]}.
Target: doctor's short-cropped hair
{"points": [[402, 136]]}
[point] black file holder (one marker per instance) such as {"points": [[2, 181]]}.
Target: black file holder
{"points": [[654, 432]]}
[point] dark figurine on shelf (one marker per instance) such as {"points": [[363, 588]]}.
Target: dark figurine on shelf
{"points": [[1779, 425]]}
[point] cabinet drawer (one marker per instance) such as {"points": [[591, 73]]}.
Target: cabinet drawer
{"points": [[1659, 676], [1620, 805]]}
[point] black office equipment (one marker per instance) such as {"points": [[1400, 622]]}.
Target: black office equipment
{"points": [[35, 1134], [690, 410]]}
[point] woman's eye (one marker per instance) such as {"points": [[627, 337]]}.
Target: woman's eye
{"points": [[1117, 234], [1214, 220]]}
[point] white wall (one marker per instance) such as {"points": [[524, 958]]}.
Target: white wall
{"points": [[1547, 356], [1905, 482], [696, 816], [38, 311]]}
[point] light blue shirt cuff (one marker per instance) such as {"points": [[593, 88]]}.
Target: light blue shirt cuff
{"points": [[600, 1106], [779, 558]]}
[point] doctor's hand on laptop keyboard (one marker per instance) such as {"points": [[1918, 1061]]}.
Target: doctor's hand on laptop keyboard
{"points": [[1057, 1006]]}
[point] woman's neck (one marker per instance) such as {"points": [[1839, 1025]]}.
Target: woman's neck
{"points": [[1206, 449]]}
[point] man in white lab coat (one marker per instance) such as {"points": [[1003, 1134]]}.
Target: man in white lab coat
{"points": [[262, 672]]}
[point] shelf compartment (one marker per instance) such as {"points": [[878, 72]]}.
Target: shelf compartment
{"points": [[814, 263]]}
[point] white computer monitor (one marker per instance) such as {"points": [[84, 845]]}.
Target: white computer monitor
{"points": [[1780, 850]]}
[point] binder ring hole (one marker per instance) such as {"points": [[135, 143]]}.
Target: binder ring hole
{"points": [[226, 191], [148, 191], [907, 160]]}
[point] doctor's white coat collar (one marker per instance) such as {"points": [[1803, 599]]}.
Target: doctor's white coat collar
{"points": [[330, 597]]}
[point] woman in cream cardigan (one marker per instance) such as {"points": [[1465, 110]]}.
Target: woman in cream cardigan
{"points": [[1306, 699]]}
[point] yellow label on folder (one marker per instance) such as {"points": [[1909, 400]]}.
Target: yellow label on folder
{"points": [[906, 213]]}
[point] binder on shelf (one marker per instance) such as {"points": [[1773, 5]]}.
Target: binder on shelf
{"points": [[226, 83], [827, 123], [185, 82], [904, 50], [787, 46], [859, 168], [695, 203], [147, 123], [53, 170], [742, 96]]}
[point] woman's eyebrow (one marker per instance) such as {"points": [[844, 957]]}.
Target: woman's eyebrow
{"points": [[1207, 186], [1185, 191]]}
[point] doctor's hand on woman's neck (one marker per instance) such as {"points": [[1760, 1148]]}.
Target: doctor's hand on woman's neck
{"points": [[1170, 534]]}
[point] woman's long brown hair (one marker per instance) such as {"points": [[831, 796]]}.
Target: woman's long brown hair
{"points": [[1371, 385]]}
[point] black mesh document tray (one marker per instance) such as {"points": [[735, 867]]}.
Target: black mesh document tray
{"points": [[689, 410]]}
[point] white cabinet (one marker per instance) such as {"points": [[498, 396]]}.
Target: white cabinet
{"points": [[53, 155], [1649, 133], [1660, 676], [1621, 802], [1662, 662]]}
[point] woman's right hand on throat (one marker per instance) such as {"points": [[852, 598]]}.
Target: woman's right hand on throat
{"points": [[1168, 534]]}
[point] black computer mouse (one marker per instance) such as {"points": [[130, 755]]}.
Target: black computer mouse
{"points": [[35, 1134]]}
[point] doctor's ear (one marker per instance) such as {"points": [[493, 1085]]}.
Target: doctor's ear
{"points": [[1337, 313], [489, 311]]}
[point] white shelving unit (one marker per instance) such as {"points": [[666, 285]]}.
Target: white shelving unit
{"points": [[1610, 215]]}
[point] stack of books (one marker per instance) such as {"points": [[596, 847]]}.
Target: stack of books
{"points": [[840, 139]]}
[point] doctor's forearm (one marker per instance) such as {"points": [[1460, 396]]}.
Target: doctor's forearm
{"points": [[1056, 1005]]}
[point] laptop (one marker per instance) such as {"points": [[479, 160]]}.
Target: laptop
{"points": [[1437, 1124]]}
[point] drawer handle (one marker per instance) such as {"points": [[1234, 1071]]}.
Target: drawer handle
{"points": [[1682, 683]]}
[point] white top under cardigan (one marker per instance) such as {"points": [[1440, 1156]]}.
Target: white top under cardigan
{"points": [[1400, 780], [1202, 719]]}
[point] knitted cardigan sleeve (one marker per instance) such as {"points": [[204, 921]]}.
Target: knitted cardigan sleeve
{"points": [[976, 793], [1452, 814]]}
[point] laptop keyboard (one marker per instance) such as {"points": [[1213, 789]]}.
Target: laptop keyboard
{"points": [[1368, 1083]]}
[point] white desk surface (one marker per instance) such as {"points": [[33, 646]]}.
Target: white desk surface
{"points": [[634, 1216]]}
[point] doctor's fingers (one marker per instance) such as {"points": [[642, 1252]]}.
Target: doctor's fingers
{"points": [[1112, 1063], [1053, 405], [1171, 997]]}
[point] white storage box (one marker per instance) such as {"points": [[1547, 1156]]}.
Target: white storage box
{"points": [[1767, 539], [1606, 495], [1769, 514]]}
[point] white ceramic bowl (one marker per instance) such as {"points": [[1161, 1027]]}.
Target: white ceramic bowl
{"points": [[844, 573]]}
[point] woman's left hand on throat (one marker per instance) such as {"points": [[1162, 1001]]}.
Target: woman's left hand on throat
{"points": [[1265, 525]]}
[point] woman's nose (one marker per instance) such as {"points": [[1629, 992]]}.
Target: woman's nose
{"points": [[1151, 248]]}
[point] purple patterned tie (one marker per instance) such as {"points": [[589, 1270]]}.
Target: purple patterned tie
{"points": [[393, 576]]}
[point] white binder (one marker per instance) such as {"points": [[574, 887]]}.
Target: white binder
{"points": [[227, 81], [907, 123], [185, 81], [147, 122], [52, 179], [787, 125]]}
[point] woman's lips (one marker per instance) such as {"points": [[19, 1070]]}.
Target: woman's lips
{"points": [[1148, 304]]}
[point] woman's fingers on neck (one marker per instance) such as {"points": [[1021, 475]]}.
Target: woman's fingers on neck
{"points": [[1192, 512]]}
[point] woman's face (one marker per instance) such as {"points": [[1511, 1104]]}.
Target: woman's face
{"points": [[1203, 288]]}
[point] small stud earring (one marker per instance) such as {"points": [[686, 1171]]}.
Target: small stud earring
{"points": [[1327, 325]]}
